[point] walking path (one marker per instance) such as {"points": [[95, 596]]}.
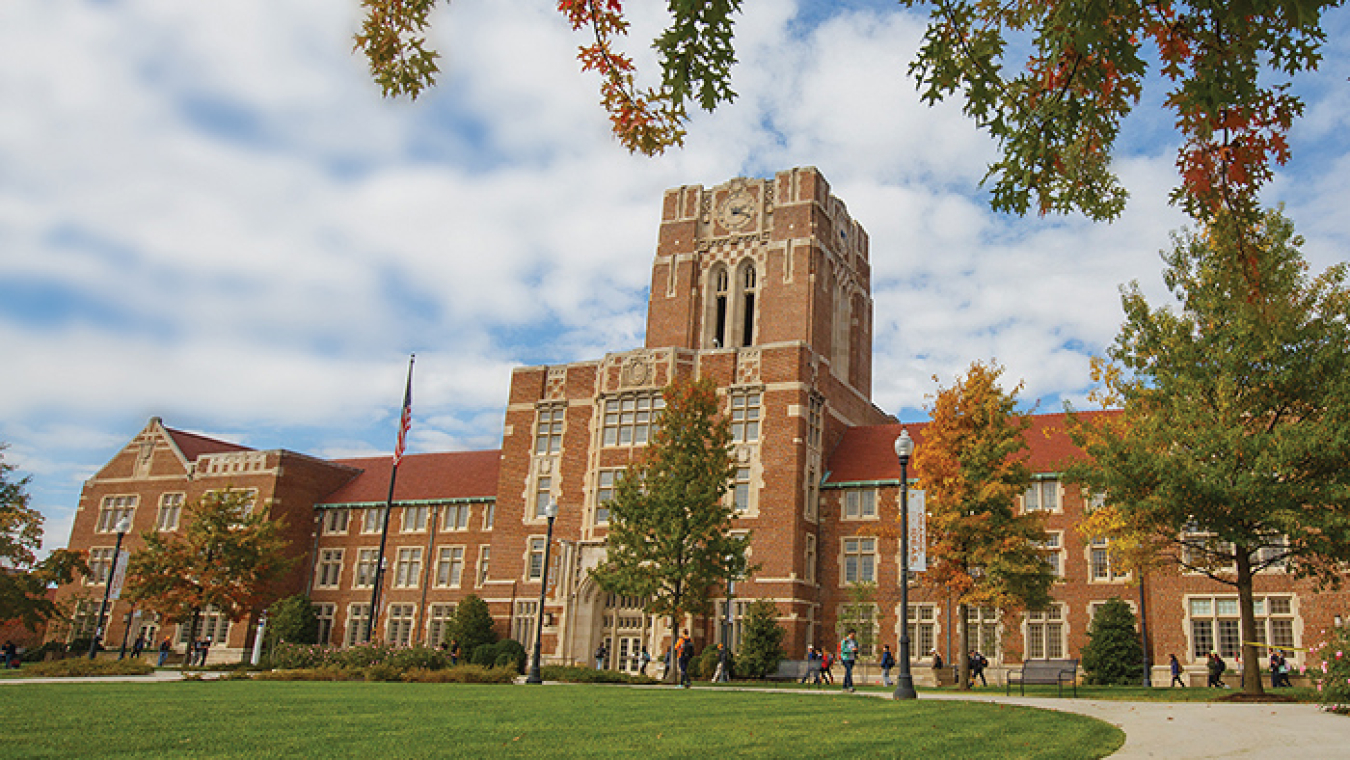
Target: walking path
{"points": [[1173, 730]]}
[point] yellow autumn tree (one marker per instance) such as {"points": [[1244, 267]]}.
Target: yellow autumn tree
{"points": [[973, 465]]}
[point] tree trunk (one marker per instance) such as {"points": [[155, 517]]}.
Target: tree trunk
{"points": [[673, 669], [1251, 655], [962, 657], [191, 638]]}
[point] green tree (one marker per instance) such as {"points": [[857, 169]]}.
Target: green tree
{"points": [[1229, 456], [292, 620], [670, 539], [859, 615], [472, 626], [227, 557], [1077, 70], [24, 579], [1114, 654], [762, 641], [972, 464]]}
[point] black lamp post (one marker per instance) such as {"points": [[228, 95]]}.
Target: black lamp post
{"points": [[551, 511], [123, 525], [722, 675], [904, 685]]}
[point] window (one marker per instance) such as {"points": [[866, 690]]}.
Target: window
{"points": [[439, 618], [923, 630], [450, 566], [860, 560], [862, 618], [100, 566], [535, 564], [719, 303], [335, 521], [456, 517], [1099, 562], [815, 416], [358, 619], [84, 619], [740, 489], [325, 614], [484, 556], [374, 522], [415, 519], [1215, 624], [408, 568], [399, 625], [745, 416], [113, 510], [810, 559], [170, 508], [629, 419], [489, 514], [1045, 633], [246, 498], [984, 631], [543, 495], [748, 285], [364, 575], [1053, 551], [522, 621], [1274, 555], [329, 572], [1042, 496], [211, 624], [604, 493], [860, 504], [548, 428], [812, 495]]}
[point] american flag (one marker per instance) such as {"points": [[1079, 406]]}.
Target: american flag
{"points": [[405, 419]]}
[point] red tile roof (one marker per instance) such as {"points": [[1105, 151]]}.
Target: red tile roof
{"points": [[867, 454], [193, 445], [421, 477]]}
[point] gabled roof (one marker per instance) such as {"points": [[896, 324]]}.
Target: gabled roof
{"points": [[193, 446], [867, 454], [421, 477]]}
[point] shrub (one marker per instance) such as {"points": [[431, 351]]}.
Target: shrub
{"points": [[762, 644], [1332, 674], [510, 653], [292, 620], [323, 673], [574, 674], [705, 664], [472, 626], [38, 654], [81, 666], [1113, 654], [484, 655]]}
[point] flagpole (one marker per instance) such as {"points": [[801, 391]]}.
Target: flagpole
{"points": [[404, 422]]}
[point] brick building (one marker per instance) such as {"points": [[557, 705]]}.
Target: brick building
{"points": [[764, 286]]}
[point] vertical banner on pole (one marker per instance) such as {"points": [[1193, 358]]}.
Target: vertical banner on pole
{"points": [[119, 576], [918, 533]]}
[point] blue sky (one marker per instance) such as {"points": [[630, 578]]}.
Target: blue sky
{"points": [[209, 214]]}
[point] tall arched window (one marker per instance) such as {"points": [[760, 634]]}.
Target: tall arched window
{"points": [[749, 286], [718, 307]]}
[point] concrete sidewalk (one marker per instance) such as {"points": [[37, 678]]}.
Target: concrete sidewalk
{"points": [[1184, 730]]}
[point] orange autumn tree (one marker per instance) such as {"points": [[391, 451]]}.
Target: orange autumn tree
{"points": [[973, 465]]}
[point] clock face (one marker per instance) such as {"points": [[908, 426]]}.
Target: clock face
{"points": [[738, 210]]}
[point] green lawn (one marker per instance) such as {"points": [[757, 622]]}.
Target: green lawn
{"points": [[294, 719]]}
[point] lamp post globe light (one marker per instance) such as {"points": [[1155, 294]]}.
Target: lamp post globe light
{"points": [[122, 527], [904, 685], [551, 511]]}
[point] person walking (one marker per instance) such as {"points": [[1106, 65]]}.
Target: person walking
{"points": [[164, 648], [887, 662], [848, 653], [826, 662], [11, 651], [644, 660], [977, 664], [1175, 665], [1216, 666], [1279, 670], [601, 656], [138, 646], [684, 651]]}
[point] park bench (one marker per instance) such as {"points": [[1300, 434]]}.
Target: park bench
{"points": [[1045, 672]]}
